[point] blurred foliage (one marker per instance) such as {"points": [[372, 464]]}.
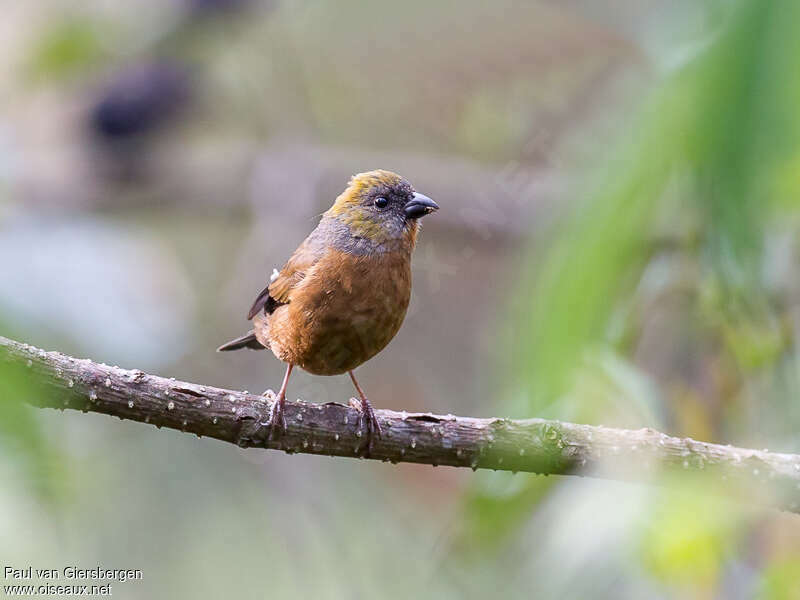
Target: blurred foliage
{"points": [[688, 537], [780, 580], [707, 123], [663, 296], [69, 47], [22, 436], [714, 143]]}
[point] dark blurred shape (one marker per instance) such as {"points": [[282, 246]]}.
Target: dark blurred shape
{"points": [[202, 8], [140, 100]]}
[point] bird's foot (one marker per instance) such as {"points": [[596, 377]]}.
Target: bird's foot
{"points": [[367, 421], [277, 417]]}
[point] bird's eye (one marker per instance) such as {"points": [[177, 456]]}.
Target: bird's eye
{"points": [[381, 202]]}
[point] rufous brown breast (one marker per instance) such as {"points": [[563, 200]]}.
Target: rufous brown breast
{"points": [[346, 309]]}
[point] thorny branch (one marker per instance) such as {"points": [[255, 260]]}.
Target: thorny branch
{"points": [[533, 445]]}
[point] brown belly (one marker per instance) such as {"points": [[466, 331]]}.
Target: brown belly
{"points": [[342, 314]]}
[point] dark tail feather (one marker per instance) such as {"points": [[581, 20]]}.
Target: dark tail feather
{"points": [[246, 341], [261, 302]]}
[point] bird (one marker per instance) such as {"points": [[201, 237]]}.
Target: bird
{"points": [[343, 294]]}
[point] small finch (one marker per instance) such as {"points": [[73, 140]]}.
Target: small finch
{"points": [[343, 294]]}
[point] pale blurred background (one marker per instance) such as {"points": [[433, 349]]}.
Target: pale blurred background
{"points": [[617, 244]]}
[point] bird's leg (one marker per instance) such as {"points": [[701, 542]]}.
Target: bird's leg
{"points": [[277, 420], [367, 415]]}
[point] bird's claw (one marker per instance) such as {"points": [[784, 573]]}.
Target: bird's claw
{"points": [[277, 417], [367, 421]]}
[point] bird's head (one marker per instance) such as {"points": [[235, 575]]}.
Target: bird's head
{"points": [[381, 207]]}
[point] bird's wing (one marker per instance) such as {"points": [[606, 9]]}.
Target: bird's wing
{"points": [[279, 289]]}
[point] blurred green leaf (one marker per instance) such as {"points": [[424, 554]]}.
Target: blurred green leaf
{"points": [[22, 438], [780, 580], [491, 515], [66, 49], [689, 536]]}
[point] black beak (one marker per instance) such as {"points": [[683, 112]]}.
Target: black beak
{"points": [[419, 206]]}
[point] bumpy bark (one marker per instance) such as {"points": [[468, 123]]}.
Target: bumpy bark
{"points": [[532, 445]]}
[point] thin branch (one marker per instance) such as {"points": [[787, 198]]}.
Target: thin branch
{"points": [[532, 445]]}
